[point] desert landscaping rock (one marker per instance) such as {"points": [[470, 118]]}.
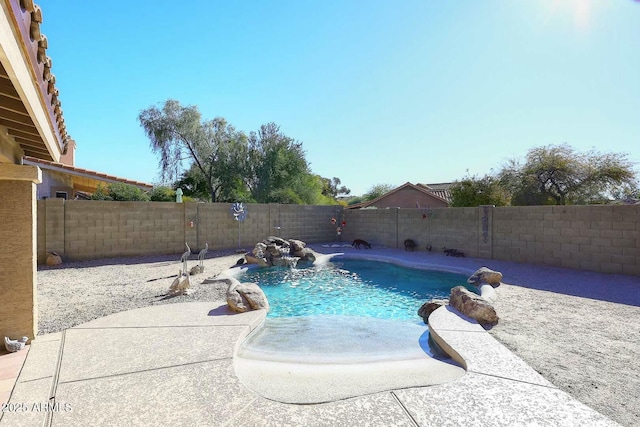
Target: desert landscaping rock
{"points": [[485, 275], [429, 307], [473, 306], [53, 259], [243, 297]]}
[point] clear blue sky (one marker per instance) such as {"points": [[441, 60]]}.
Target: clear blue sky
{"points": [[377, 91]]}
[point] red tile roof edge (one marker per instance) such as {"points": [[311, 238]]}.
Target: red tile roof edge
{"points": [[98, 175]]}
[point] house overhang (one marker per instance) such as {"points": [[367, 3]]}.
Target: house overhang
{"points": [[84, 180], [30, 114]]}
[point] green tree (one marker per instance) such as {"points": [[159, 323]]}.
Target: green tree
{"points": [[332, 187], [629, 192], [162, 193], [193, 184], [179, 134], [377, 191], [474, 191], [355, 200], [557, 174], [277, 170], [118, 191]]}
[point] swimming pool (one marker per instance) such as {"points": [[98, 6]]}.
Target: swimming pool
{"points": [[344, 328], [352, 287]]}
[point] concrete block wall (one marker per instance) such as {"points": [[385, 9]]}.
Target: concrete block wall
{"points": [[454, 229], [216, 226], [438, 227], [96, 229], [597, 238], [376, 226], [309, 223], [80, 229]]}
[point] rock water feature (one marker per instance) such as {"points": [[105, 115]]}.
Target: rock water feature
{"points": [[277, 252], [271, 252]]}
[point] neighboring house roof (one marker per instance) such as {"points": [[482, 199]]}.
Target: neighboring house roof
{"points": [[84, 179], [441, 189], [420, 188], [29, 105]]}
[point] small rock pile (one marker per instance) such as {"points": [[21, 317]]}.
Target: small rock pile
{"points": [[274, 251], [477, 307]]}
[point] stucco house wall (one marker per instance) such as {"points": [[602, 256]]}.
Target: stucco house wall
{"points": [[53, 182]]}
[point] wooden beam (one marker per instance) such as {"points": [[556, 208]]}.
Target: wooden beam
{"points": [[21, 126], [25, 135], [7, 89], [27, 143], [12, 115], [44, 155], [11, 104]]}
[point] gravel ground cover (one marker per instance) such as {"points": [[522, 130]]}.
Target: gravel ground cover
{"points": [[79, 292], [587, 347]]}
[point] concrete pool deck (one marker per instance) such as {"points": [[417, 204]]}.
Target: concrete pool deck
{"points": [[174, 365]]}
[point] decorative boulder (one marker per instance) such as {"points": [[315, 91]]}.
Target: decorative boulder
{"points": [[251, 259], [296, 245], [305, 254], [242, 297], [473, 306], [196, 269], [276, 241], [429, 307], [53, 259], [259, 250], [273, 250], [485, 275]]}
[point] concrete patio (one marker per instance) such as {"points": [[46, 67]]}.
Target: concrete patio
{"points": [[173, 365]]}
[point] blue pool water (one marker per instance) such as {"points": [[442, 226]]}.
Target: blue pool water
{"points": [[352, 287]]}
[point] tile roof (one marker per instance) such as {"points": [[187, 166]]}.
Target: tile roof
{"points": [[441, 189], [85, 173], [15, 115]]}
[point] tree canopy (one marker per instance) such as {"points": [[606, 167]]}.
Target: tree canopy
{"points": [[474, 191], [557, 174], [211, 160], [551, 175], [120, 192], [179, 134], [376, 191]]}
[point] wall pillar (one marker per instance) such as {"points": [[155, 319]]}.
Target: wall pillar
{"points": [[485, 231], [275, 221], [18, 250]]}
